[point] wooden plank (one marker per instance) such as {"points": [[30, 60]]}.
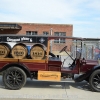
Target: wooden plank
{"points": [[8, 60], [21, 60], [32, 60]]}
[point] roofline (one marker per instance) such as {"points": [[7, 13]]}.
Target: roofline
{"points": [[36, 23], [91, 39]]}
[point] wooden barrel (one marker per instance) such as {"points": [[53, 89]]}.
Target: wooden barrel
{"points": [[37, 52], [4, 50], [19, 51]]}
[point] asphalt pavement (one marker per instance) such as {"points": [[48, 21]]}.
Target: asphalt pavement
{"points": [[67, 89]]}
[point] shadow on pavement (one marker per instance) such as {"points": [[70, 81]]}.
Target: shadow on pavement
{"points": [[56, 85], [45, 84], [81, 85]]}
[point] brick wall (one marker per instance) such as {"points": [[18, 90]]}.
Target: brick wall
{"points": [[40, 28]]}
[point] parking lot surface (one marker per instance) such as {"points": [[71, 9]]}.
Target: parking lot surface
{"points": [[50, 90]]}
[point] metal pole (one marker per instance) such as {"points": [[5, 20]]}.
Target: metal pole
{"points": [[51, 40]]}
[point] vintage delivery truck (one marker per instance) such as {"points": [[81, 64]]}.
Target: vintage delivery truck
{"points": [[16, 64]]}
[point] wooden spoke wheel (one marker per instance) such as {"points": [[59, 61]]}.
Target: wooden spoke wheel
{"points": [[14, 78], [95, 81]]}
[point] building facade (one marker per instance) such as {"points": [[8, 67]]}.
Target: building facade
{"points": [[40, 29]]}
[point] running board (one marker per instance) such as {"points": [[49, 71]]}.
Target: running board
{"points": [[62, 80]]}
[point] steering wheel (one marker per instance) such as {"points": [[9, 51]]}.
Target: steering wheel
{"points": [[63, 49]]}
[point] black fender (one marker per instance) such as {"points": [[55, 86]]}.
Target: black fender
{"points": [[86, 75], [96, 67], [23, 67]]}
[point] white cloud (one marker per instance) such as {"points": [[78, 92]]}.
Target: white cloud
{"points": [[40, 8], [97, 18], [83, 14], [95, 4]]}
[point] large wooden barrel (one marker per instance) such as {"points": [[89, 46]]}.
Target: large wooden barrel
{"points": [[4, 50], [19, 51], [37, 52]]}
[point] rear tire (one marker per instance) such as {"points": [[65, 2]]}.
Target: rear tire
{"points": [[94, 81], [14, 78]]}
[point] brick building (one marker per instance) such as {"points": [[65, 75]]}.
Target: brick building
{"points": [[40, 29]]}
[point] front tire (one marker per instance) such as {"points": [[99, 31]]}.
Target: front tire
{"points": [[14, 78], [94, 81]]}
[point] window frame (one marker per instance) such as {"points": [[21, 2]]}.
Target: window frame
{"points": [[31, 33], [62, 41], [44, 33]]}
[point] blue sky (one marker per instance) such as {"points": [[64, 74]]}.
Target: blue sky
{"points": [[83, 14]]}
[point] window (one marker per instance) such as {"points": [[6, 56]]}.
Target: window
{"points": [[60, 40], [31, 32], [45, 33], [56, 41]]}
